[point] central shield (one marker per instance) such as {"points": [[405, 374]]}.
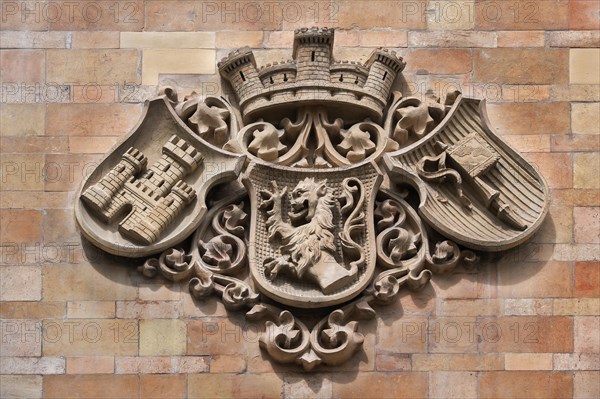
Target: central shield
{"points": [[311, 244]]}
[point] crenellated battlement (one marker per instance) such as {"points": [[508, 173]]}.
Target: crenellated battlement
{"points": [[147, 201], [312, 76]]}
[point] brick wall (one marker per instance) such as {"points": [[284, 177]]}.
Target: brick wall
{"points": [[74, 76]]}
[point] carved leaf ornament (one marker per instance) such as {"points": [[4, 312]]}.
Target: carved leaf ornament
{"points": [[297, 212]]}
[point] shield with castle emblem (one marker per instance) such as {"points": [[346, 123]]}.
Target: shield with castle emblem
{"points": [[318, 186]]}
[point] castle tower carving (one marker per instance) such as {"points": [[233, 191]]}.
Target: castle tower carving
{"points": [[311, 77], [147, 205]]}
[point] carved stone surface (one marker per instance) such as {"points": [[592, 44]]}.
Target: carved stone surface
{"points": [[301, 212]]}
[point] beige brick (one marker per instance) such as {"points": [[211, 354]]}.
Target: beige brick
{"points": [[21, 386], [450, 334], [383, 38], [575, 92], [234, 386], [189, 15], [576, 252], [558, 226], [92, 145], [162, 337], [361, 14], [399, 335], [521, 65], [454, 39], [216, 337], [181, 61], [31, 310], [15, 16], [193, 308], [457, 362], [520, 38], [573, 39], [304, 386], [576, 306], [32, 365], [22, 119], [587, 224], [347, 38], [585, 170], [227, 364], [277, 39], [182, 40], [91, 365], [300, 14], [392, 362], [99, 15], [380, 385], [20, 283], [237, 39], [21, 337], [586, 385], [33, 199], [587, 339], [584, 65], [160, 292], [91, 310], [29, 40], [453, 384], [447, 15], [585, 118], [90, 337], [527, 307], [468, 307], [22, 172], [163, 386], [576, 361], [34, 144], [91, 386], [530, 384], [94, 40], [84, 283], [149, 310], [96, 94], [458, 285], [22, 67], [528, 361], [101, 67], [162, 365]]}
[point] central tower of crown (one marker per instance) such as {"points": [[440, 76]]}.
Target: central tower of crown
{"points": [[351, 90]]}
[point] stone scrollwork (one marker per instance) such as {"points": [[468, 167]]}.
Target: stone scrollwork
{"points": [[312, 197]]}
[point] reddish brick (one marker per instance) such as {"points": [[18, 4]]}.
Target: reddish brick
{"points": [[392, 362], [534, 279], [521, 39], [404, 14], [525, 384], [91, 386], [530, 15], [22, 67], [20, 226], [585, 14], [521, 65], [456, 61], [555, 168], [587, 279], [551, 118], [526, 334], [91, 365], [163, 386], [379, 385]]}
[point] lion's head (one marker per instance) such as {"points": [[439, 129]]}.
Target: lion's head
{"points": [[306, 198]]}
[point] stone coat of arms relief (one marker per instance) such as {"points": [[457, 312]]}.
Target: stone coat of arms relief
{"points": [[316, 187]]}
